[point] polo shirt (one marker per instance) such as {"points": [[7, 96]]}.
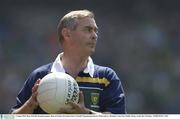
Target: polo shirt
{"points": [[102, 88]]}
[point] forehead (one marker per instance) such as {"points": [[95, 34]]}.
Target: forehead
{"points": [[87, 21]]}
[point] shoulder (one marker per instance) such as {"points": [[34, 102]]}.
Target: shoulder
{"points": [[42, 70], [38, 73], [25, 92], [105, 72]]}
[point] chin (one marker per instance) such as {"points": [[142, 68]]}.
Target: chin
{"points": [[92, 51], [89, 51]]}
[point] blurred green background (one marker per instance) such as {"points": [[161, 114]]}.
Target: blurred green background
{"points": [[139, 39]]}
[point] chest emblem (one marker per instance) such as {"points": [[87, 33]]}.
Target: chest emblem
{"points": [[95, 98]]}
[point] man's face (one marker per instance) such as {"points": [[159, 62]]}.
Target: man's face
{"points": [[84, 37]]}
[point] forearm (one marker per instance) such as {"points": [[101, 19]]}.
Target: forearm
{"points": [[94, 112], [27, 108]]}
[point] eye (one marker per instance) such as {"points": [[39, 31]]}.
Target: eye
{"points": [[89, 29], [96, 30]]}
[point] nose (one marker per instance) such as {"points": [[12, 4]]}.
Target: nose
{"points": [[94, 36]]}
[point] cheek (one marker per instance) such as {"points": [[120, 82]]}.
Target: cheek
{"points": [[83, 39], [80, 39]]}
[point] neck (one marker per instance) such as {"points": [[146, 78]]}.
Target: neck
{"points": [[73, 64]]}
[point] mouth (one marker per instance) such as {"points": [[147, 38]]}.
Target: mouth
{"points": [[92, 45]]}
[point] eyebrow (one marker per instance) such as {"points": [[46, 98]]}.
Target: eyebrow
{"points": [[95, 28]]}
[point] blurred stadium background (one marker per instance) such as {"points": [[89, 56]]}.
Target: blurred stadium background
{"points": [[139, 39]]}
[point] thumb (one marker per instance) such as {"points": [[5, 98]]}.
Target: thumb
{"points": [[81, 98]]}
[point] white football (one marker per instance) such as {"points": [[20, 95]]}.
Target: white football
{"points": [[56, 90]]}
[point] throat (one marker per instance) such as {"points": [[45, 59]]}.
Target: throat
{"points": [[74, 71], [74, 68], [73, 74]]}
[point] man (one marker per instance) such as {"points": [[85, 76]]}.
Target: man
{"points": [[101, 89]]}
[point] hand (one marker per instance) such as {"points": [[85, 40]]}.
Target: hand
{"points": [[74, 108], [32, 101]]}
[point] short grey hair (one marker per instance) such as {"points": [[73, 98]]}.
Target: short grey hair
{"points": [[70, 21]]}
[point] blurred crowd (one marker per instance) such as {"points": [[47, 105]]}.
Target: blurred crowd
{"points": [[139, 39]]}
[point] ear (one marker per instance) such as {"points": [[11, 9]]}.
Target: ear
{"points": [[66, 33]]}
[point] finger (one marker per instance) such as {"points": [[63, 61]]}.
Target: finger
{"points": [[73, 105], [34, 96], [38, 81], [81, 98], [35, 87], [65, 110], [72, 111]]}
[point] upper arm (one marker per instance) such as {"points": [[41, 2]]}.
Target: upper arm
{"points": [[25, 92], [113, 97]]}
